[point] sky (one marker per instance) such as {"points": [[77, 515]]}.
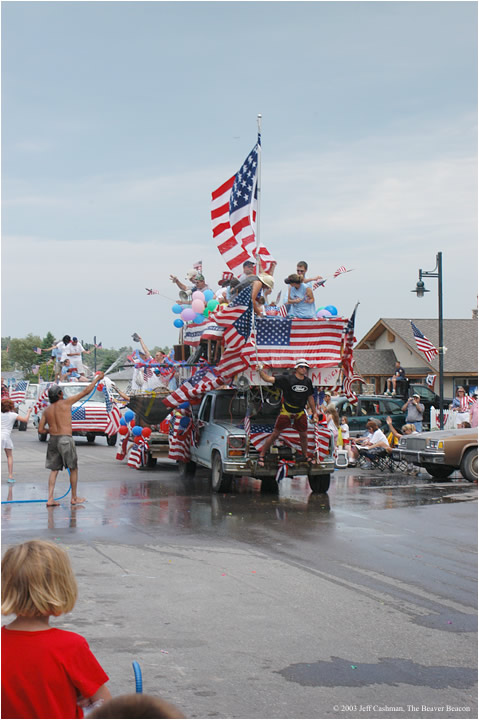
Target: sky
{"points": [[120, 118]]}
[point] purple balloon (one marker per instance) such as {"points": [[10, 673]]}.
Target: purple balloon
{"points": [[188, 314], [323, 314]]}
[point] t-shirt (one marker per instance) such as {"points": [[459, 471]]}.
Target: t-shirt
{"points": [[44, 671], [399, 373], [376, 437], [301, 309], [61, 351], [295, 392], [345, 431], [8, 421]]}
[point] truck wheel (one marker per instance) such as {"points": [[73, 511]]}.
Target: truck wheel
{"points": [[150, 461], [111, 440], [22, 425], [469, 465], [440, 472], [42, 437], [187, 470], [319, 483], [90, 437], [219, 481]]}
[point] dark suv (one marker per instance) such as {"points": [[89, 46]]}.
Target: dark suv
{"points": [[368, 406]]}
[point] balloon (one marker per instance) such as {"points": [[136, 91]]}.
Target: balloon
{"points": [[123, 422], [137, 438], [177, 308], [123, 430], [99, 387], [129, 415], [323, 313], [209, 295], [331, 309], [199, 319], [132, 424], [206, 312], [146, 432], [198, 306], [137, 430], [212, 305], [184, 405], [184, 422], [198, 295], [188, 314], [178, 323]]}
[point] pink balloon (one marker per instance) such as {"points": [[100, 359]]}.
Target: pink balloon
{"points": [[198, 305], [188, 314], [323, 314], [198, 295]]}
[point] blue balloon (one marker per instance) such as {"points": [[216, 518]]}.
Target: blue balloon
{"points": [[331, 309], [178, 323], [184, 422], [122, 421], [137, 430], [200, 318], [209, 295], [129, 415], [177, 308], [184, 405]]}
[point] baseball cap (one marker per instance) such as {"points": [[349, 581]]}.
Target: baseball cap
{"points": [[417, 395], [248, 262], [303, 362], [74, 339], [191, 274]]}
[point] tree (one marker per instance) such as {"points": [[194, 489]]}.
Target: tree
{"points": [[21, 352], [48, 340], [6, 361]]}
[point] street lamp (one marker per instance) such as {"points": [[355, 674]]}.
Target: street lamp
{"points": [[420, 290]]}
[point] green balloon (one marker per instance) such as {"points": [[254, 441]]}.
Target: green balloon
{"points": [[206, 312], [212, 304]]}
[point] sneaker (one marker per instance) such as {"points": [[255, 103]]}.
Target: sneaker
{"points": [[10, 480], [387, 392], [393, 392]]}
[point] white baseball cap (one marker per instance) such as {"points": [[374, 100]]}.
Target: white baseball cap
{"points": [[302, 361]]}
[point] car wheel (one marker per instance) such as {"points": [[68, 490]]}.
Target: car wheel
{"points": [[90, 437], [469, 465], [22, 425], [42, 437], [319, 483], [187, 470], [440, 472], [111, 440], [219, 481], [151, 461]]}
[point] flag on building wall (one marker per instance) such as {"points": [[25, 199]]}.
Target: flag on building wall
{"points": [[423, 344]]}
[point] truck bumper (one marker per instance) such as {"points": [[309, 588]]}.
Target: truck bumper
{"points": [[251, 467]]}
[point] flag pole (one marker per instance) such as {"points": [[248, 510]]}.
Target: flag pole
{"points": [[258, 191]]}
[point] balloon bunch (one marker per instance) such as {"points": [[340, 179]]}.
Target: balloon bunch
{"points": [[203, 303], [128, 425], [328, 311]]}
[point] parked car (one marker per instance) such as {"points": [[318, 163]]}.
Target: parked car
{"points": [[222, 446], [89, 415], [440, 452], [368, 406]]}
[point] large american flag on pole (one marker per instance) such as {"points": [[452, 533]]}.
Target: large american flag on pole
{"points": [[233, 216], [18, 391], [423, 344]]}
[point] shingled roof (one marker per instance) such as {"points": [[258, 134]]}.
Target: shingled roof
{"points": [[460, 339]]}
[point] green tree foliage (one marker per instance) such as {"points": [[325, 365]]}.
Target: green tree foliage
{"points": [[6, 362], [48, 340], [21, 352]]}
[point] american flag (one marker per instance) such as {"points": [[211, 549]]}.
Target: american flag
{"points": [[180, 441], [89, 418], [192, 390], [430, 380], [347, 359], [339, 271], [193, 334], [37, 350], [423, 344], [18, 391], [318, 283], [150, 291], [233, 216], [42, 401], [114, 415], [237, 318], [283, 341], [138, 454], [318, 438], [198, 266]]}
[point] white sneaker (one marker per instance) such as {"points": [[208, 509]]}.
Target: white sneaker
{"points": [[393, 392]]}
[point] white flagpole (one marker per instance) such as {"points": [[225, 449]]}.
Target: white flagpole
{"points": [[258, 189]]}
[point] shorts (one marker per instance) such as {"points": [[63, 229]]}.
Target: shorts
{"points": [[286, 420], [61, 452]]}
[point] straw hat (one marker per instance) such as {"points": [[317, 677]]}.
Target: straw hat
{"points": [[267, 280]]}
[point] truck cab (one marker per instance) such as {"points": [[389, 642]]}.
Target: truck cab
{"points": [[222, 445]]}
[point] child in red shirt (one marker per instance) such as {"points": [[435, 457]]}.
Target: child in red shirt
{"points": [[46, 672]]}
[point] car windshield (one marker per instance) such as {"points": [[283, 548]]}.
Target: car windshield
{"points": [[74, 389]]}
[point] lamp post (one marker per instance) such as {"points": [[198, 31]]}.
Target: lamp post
{"points": [[420, 290]]}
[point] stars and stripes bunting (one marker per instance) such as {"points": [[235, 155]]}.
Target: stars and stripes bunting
{"points": [[180, 441], [423, 344]]}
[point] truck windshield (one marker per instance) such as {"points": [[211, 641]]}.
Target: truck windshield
{"points": [[74, 389], [232, 408]]}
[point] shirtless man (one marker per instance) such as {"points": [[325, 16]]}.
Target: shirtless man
{"points": [[61, 452]]}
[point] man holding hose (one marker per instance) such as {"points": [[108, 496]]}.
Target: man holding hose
{"points": [[61, 452]]}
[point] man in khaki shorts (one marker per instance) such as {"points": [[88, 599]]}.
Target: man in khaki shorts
{"points": [[61, 451]]}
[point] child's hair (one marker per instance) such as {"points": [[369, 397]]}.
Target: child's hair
{"points": [[37, 579], [7, 405], [344, 420], [331, 410], [136, 706]]}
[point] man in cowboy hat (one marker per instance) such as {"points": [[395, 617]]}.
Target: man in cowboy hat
{"points": [[298, 392]]}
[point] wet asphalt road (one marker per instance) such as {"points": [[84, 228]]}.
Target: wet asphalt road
{"points": [[358, 604]]}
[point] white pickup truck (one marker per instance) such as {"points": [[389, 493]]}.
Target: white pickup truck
{"points": [[221, 444]]}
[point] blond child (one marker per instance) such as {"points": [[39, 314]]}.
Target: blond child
{"points": [[46, 672]]}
